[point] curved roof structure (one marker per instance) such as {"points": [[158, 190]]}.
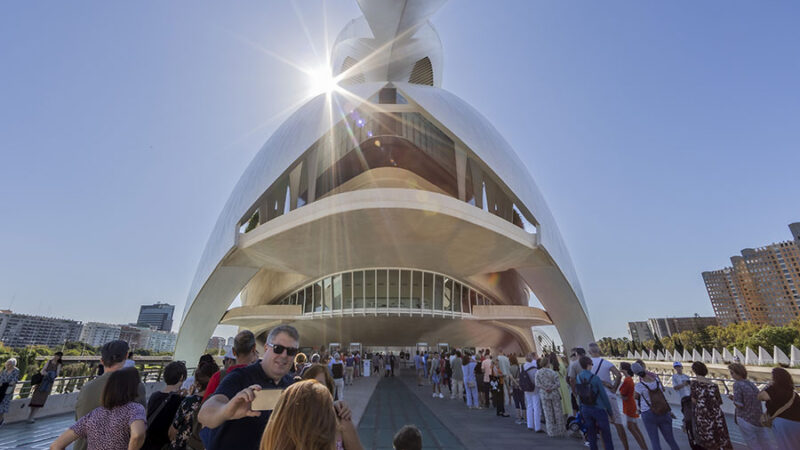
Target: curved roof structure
{"points": [[392, 156]]}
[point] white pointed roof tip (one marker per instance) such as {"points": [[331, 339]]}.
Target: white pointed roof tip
{"points": [[750, 357], [716, 357], [630, 355], [660, 356], [795, 356], [706, 356], [726, 355], [652, 356], [676, 356], [686, 355], [637, 355], [779, 357], [696, 356], [764, 358]]}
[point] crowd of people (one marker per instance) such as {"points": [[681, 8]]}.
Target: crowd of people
{"points": [[277, 400], [588, 396], [283, 399]]}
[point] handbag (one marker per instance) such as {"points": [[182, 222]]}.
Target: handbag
{"points": [[766, 418], [37, 379]]}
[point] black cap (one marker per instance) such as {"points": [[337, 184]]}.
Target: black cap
{"points": [[114, 352]]}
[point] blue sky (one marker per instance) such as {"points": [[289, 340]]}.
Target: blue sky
{"points": [[664, 136]]}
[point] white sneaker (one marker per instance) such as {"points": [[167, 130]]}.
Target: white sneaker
{"points": [[434, 395], [441, 395]]}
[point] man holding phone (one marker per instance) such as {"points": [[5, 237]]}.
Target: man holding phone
{"points": [[229, 413]]}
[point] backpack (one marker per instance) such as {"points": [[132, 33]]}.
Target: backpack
{"points": [[586, 394], [337, 370], [524, 380], [658, 402]]}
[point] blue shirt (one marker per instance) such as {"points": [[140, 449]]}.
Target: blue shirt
{"points": [[244, 433], [597, 387]]}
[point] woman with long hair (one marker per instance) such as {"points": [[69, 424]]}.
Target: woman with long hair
{"points": [[346, 433], [783, 406], [303, 419], [119, 424], [560, 365], [49, 373], [629, 410], [516, 391]]}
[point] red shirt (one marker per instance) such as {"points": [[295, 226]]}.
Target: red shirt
{"points": [[213, 383], [628, 403]]}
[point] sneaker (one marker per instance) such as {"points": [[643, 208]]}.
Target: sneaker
{"points": [[434, 395], [441, 395]]}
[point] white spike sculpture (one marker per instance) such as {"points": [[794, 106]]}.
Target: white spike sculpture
{"points": [[676, 356], [637, 355], [764, 358], [651, 356], [738, 356], [630, 355], [779, 357], [696, 356], [726, 355], [716, 357], [686, 355], [795, 357], [750, 357], [660, 356], [706, 356]]}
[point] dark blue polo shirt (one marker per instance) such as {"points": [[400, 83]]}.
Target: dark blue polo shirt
{"points": [[244, 433]]}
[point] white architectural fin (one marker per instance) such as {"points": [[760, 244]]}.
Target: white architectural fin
{"points": [[750, 357], [795, 357], [706, 356], [726, 355], [686, 355], [764, 358], [676, 356], [660, 356], [738, 356], [716, 357], [779, 357]]}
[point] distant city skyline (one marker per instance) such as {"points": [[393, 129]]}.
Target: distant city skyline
{"points": [[650, 132]]}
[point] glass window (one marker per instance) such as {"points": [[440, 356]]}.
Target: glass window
{"points": [[437, 293], [358, 289], [456, 297], [337, 293], [405, 289], [427, 290], [473, 299], [388, 297], [447, 305], [328, 295], [369, 287], [319, 292], [347, 290], [382, 296], [416, 289], [301, 300]]}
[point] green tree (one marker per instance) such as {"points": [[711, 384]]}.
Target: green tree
{"points": [[770, 336]]}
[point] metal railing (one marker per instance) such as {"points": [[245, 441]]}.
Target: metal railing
{"points": [[666, 380], [67, 385]]}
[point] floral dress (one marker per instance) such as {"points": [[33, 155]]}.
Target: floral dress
{"points": [[184, 421], [11, 378], [710, 429], [549, 387]]}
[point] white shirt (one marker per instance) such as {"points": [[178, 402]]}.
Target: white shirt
{"points": [[644, 393], [602, 368], [128, 363], [188, 383], [679, 379]]}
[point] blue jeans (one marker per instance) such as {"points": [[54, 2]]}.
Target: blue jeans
{"points": [[653, 424], [596, 419]]}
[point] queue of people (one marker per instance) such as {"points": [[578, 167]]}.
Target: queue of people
{"points": [[225, 407]]}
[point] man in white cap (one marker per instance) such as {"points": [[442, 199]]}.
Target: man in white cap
{"points": [[680, 383]]}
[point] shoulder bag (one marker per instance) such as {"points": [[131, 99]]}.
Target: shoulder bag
{"points": [[766, 418]]}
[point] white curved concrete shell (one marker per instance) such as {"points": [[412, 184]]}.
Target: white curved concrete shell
{"points": [[382, 180]]}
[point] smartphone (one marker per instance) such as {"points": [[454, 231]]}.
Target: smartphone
{"points": [[266, 399]]}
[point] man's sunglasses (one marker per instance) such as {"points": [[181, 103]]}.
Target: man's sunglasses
{"points": [[278, 349]]}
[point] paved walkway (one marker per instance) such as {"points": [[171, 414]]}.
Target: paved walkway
{"points": [[37, 435]]}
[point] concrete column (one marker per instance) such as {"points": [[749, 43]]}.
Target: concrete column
{"points": [[477, 184], [311, 172]]}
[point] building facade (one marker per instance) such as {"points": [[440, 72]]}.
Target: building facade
{"points": [[21, 330], [640, 331], [96, 334], [667, 326], [387, 212], [158, 315], [761, 286]]}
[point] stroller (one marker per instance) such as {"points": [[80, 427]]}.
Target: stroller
{"points": [[576, 426]]}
